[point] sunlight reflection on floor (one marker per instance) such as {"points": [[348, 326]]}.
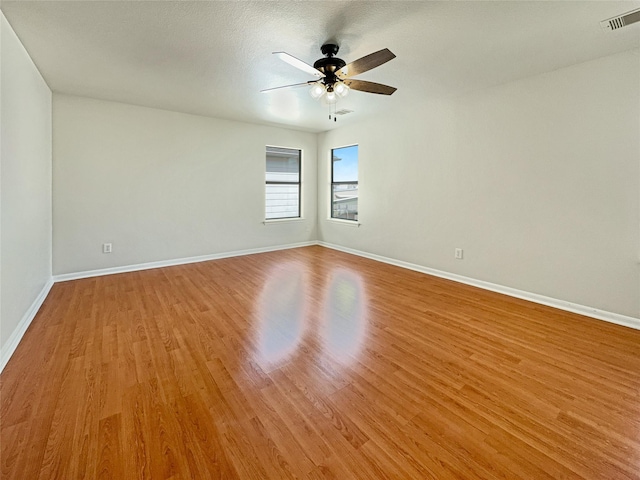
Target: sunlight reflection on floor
{"points": [[285, 317], [344, 323], [282, 313]]}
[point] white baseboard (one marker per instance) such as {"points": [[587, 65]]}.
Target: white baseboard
{"points": [[178, 261], [12, 343], [616, 318]]}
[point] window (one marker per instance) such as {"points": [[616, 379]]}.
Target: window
{"points": [[344, 183], [283, 183]]}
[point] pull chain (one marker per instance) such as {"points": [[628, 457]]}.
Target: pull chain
{"points": [[333, 115], [335, 119]]}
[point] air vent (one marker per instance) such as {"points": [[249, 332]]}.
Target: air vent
{"points": [[621, 20], [344, 111]]}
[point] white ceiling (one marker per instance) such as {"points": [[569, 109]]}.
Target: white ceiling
{"points": [[213, 58]]}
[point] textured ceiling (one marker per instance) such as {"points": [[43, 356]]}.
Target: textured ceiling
{"points": [[213, 58]]}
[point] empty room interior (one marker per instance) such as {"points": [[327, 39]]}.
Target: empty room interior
{"points": [[320, 240]]}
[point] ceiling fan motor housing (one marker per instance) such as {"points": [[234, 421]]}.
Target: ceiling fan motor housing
{"points": [[330, 64]]}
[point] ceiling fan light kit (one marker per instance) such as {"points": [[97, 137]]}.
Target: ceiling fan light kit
{"points": [[331, 98], [335, 74], [317, 90], [341, 89]]}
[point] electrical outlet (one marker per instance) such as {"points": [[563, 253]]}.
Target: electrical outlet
{"points": [[458, 253], [106, 248]]}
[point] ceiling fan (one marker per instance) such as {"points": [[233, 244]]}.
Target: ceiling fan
{"points": [[334, 74]]}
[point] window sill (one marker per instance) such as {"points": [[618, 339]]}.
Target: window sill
{"points": [[350, 223], [274, 221]]}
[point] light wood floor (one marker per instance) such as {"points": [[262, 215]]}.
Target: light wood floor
{"points": [[311, 363]]}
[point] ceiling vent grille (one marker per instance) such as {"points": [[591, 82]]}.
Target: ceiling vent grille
{"points": [[344, 111], [621, 20]]}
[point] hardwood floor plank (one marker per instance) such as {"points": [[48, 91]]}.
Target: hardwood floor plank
{"points": [[210, 458], [305, 432], [135, 436], [314, 364], [13, 438], [317, 406], [271, 458], [110, 461]]}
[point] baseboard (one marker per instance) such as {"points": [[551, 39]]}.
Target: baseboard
{"points": [[12, 343], [178, 261], [616, 318]]}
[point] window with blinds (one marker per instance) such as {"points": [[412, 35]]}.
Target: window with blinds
{"points": [[283, 183]]}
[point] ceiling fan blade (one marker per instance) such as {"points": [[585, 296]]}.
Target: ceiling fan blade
{"points": [[295, 85], [370, 87], [366, 63], [299, 64]]}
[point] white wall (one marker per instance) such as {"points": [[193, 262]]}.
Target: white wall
{"points": [[25, 190], [161, 185], [537, 180]]}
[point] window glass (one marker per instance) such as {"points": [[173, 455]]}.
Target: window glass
{"points": [[344, 183], [345, 164]]}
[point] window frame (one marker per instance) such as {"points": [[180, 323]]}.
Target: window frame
{"points": [[332, 183], [299, 183]]}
